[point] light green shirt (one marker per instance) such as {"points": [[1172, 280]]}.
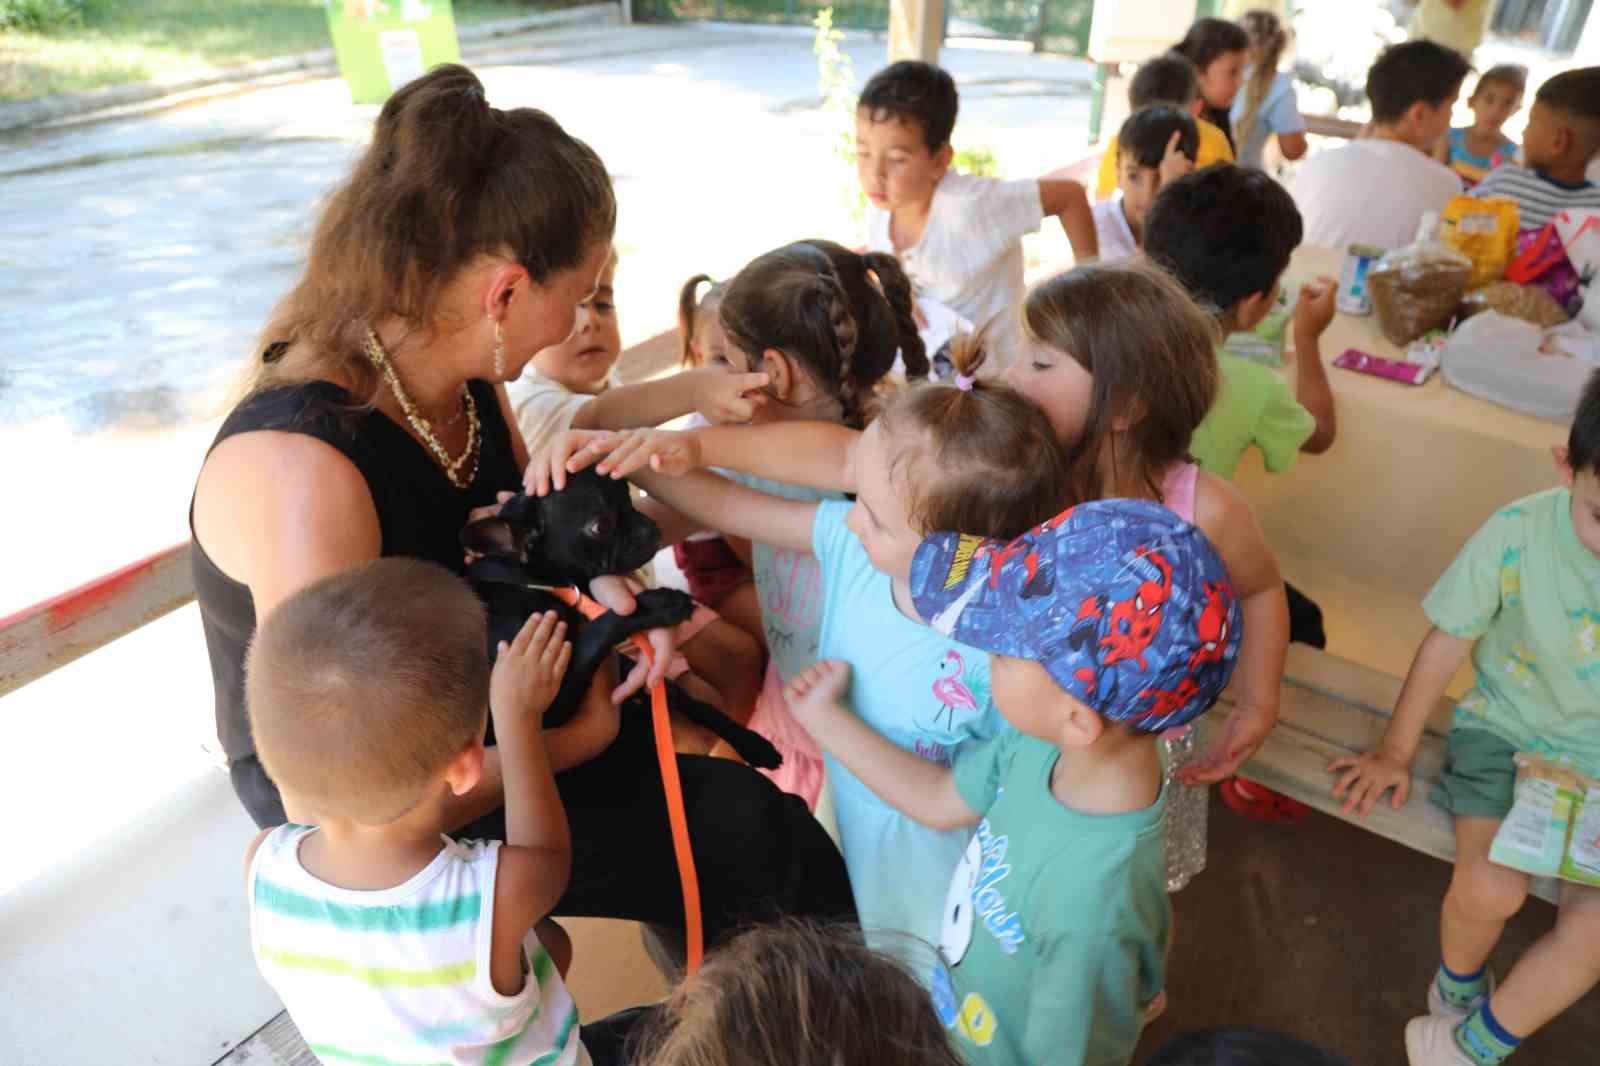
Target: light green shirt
{"points": [[1529, 593], [1055, 927], [1254, 407]]}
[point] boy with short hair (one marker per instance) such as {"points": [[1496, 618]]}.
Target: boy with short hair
{"points": [[1156, 147], [387, 940], [1172, 80], [958, 236], [1562, 136], [1105, 625], [1376, 189], [1523, 597]]}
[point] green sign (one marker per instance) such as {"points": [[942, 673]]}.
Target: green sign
{"points": [[382, 44]]}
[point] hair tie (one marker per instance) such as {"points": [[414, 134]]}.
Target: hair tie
{"points": [[965, 382]]}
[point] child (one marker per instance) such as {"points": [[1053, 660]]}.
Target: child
{"points": [[1520, 597], [1106, 624], [1376, 189], [717, 571], [1472, 151], [1268, 105], [1241, 1047], [971, 455], [570, 385], [1167, 79], [798, 995], [1155, 146], [1562, 136], [1219, 50], [959, 237], [386, 940]]}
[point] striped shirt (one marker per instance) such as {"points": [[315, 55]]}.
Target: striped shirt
{"points": [[1538, 198], [400, 977]]}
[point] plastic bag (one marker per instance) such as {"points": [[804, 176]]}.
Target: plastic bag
{"points": [[1418, 287], [1527, 302], [1485, 231], [1581, 862], [1496, 358], [1542, 260], [1533, 836]]}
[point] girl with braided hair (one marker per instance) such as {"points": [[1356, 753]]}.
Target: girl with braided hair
{"points": [[973, 455]]}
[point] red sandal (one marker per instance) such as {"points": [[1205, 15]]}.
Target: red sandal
{"points": [[1259, 803]]}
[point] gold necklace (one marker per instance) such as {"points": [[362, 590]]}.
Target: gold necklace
{"points": [[461, 471]]}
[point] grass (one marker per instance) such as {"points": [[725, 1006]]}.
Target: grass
{"points": [[124, 41]]}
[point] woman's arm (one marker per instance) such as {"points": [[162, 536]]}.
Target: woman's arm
{"points": [[592, 729]]}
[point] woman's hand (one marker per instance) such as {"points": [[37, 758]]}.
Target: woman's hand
{"points": [[615, 593], [723, 396], [549, 469]]}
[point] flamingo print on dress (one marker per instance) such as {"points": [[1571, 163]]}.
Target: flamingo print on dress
{"points": [[951, 692]]}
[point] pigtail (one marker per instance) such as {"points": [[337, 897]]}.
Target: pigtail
{"points": [[836, 332], [688, 315], [897, 290], [1267, 41]]}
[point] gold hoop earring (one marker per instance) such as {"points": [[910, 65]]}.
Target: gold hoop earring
{"points": [[499, 352]]}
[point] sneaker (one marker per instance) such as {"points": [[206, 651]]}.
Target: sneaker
{"points": [[1431, 1041], [1440, 1007]]}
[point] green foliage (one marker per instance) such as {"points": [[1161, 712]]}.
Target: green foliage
{"points": [[40, 14], [977, 160], [836, 82]]}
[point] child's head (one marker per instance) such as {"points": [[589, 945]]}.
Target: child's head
{"points": [[1123, 365], [1226, 233], [904, 119], [699, 327], [583, 362], [974, 454], [825, 323], [1564, 122], [1141, 146], [1115, 611], [1412, 88], [1166, 79], [1579, 463], [1219, 50], [1241, 1047], [1268, 39], [368, 691], [1498, 95], [797, 995]]}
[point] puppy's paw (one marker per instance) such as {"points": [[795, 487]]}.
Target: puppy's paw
{"points": [[658, 608]]}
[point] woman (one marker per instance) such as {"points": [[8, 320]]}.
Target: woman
{"points": [[460, 245]]}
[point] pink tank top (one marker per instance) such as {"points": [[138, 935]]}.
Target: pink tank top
{"points": [[1177, 491]]}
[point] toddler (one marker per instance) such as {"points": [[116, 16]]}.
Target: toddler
{"points": [[1472, 151]]}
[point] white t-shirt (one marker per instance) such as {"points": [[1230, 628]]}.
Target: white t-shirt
{"points": [[970, 254], [1370, 192], [1117, 241], [544, 408]]}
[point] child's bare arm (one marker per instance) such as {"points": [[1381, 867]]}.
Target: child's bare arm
{"points": [[674, 526], [716, 393], [1363, 779], [1312, 314], [1224, 515], [915, 787], [250, 853], [1066, 199], [716, 503], [797, 453]]}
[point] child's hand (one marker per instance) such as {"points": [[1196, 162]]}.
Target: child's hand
{"points": [[527, 675], [725, 397], [662, 450], [1365, 778], [1174, 164], [549, 469], [1247, 730], [821, 686], [1314, 310]]}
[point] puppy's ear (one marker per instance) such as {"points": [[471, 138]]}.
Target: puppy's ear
{"points": [[489, 536]]}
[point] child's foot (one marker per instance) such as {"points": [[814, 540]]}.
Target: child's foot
{"points": [[1440, 1007], [1261, 804], [1431, 1041]]}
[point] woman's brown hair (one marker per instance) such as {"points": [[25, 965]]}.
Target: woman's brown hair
{"points": [[446, 179], [988, 461], [842, 315], [796, 994], [691, 305], [1152, 354]]}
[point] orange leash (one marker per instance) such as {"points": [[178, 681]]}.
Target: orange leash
{"points": [[667, 755]]}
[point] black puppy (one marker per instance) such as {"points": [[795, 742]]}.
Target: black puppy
{"points": [[568, 538]]}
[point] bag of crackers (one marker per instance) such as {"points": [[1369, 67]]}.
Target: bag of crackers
{"points": [[1553, 827], [1485, 231], [1418, 287]]}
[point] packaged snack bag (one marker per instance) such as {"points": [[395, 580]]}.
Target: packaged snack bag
{"points": [[1527, 302], [1581, 863], [1418, 287], [1533, 837], [1485, 231]]}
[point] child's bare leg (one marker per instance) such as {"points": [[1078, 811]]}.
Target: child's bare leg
{"points": [[740, 606], [557, 943], [730, 661], [1483, 895], [1560, 968]]}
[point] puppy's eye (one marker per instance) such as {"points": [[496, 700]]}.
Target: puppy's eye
{"points": [[598, 528]]}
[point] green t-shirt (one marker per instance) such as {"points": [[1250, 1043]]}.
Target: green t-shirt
{"points": [[1529, 593], [1055, 926], [1254, 406]]}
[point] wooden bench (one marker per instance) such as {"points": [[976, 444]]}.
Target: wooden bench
{"points": [[1333, 707]]}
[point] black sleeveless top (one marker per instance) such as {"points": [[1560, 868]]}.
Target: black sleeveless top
{"points": [[420, 515]]}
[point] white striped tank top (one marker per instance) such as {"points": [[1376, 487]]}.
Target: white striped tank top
{"points": [[401, 976]]}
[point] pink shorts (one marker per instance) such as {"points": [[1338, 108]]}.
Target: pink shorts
{"points": [[802, 771], [710, 568]]}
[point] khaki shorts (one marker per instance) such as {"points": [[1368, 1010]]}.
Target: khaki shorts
{"points": [[1479, 777]]}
